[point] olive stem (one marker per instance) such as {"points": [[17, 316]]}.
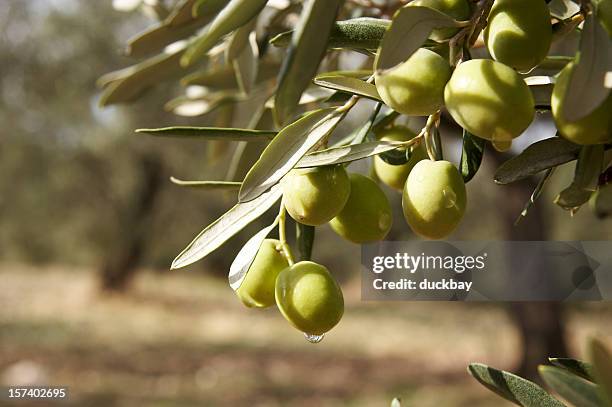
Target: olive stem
{"points": [[282, 235], [432, 141]]}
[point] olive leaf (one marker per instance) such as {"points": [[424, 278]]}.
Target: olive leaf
{"points": [[126, 5], [356, 33], [602, 368], [304, 235], [586, 177], [410, 27], [471, 155], [286, 149], [206, 7], [572, 388], [537, 157], [230, 223], [224, 77], [349, 85], [513, 388], [308, 46], [541, 88], [155, 38], [234, 15], [210, 133], [585, 89], [577, 367], [535, 194], [345, 154], [212, 185], [128, 84], [181, 13], [562, 9], [190, 106], [245, 257], [245, 63]]}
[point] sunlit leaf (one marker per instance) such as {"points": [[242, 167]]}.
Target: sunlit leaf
{"points": [[245, 63], [210, 133], [235, 14], [562, 9], [208, 185], [308, 46], [349, 85], [572, 388], [206, 7], [126, 5], [586, 177], [286, 149], [339, 155], [232, 222], [410, 27], [585, 89], [513, 388], [357, 33], [130, 83], [189, 106], [245, 257], [537, 157]]}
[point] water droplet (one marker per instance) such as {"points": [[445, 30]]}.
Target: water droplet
{"points": [[314, 338], [450, 198]]}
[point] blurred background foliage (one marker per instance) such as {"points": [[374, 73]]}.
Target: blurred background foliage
{"points": [[79, 190]]}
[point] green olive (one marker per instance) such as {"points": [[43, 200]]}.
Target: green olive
{"points": [[595, 128], [309, 298], [257, 288], [490, 100], [367, 216], [395, 175], [415, 87], [457, 9], [313, 196], [434, 199], [519, 32]]}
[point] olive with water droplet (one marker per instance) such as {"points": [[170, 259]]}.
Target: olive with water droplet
{"points": [[309, 298]]}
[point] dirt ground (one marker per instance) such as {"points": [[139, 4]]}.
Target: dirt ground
{"points": [[183, 339]]}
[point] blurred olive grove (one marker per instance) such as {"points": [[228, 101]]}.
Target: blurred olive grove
{"points": [[81, 192]]}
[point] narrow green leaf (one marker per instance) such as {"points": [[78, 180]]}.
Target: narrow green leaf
{"points": [[245, 257], [308, 46], [345, 154], [585, 89], [243, 54], [349, 85], [577, 367], [572, 388], [181, 13], [513, 388], [586, 177], [224, 77], [354, 73], [130, 83], [230, 223], [356, 33], [537, 157], [471, 155], [189, 106], [601, 359], [207, 7], [410, 27], [235, 14], [287, 148], [212, 185], [562, 9], [535, 194], [305, 236], [155, 38], [211, 133]]}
